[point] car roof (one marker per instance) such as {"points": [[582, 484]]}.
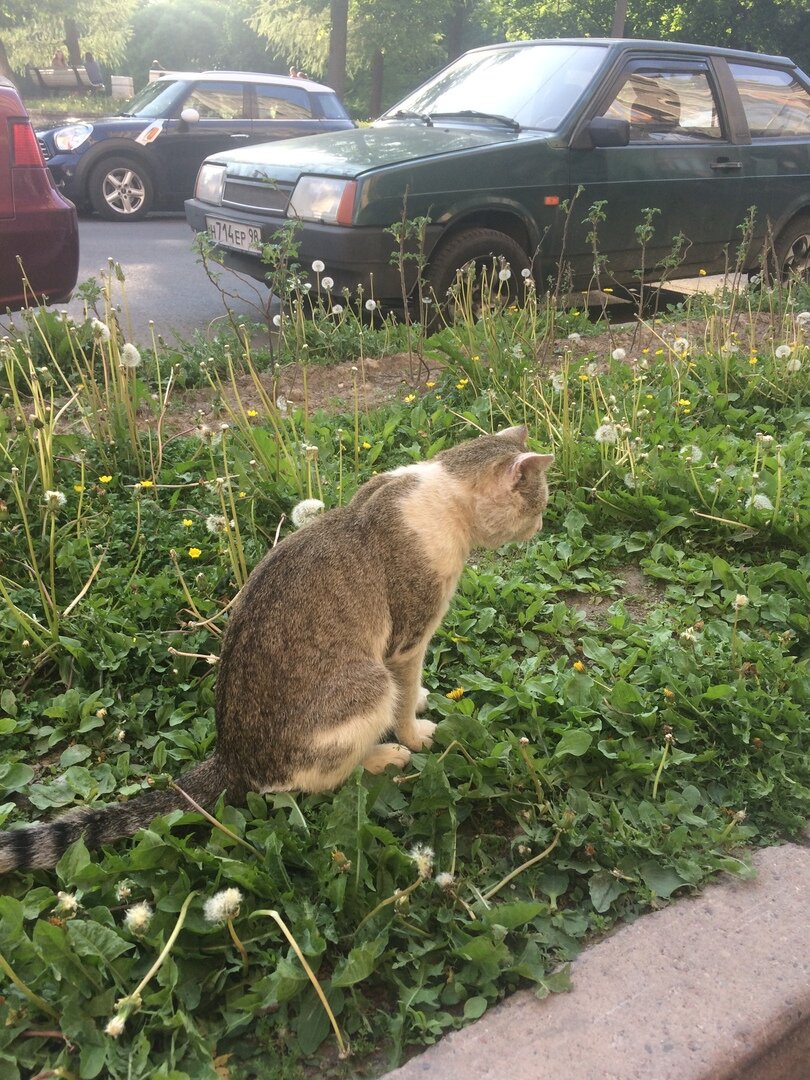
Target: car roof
{"points": [[240, 76], [629, 44]]}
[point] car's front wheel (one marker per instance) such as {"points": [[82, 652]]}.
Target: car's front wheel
{"points": [[121, 189], [476, 269]]}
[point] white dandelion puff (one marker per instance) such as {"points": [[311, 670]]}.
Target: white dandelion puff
{"points": [[100, 330], [371, 305], [138, 917], [328, 283], [693, 454], [525, 273], [318, 266], [115, 1027], [558, 381], [337, 309], [123, 890], [276, 320], [54, 500], [222, 906], [793, 365], [423, 856], [760, 502], [619, 354], [68, 904], [504, 274], [445, 881], [306, 511], [680, 346], [782, 351], [740, 601], [574, 337], [216, 523], [606, 433], [130, 357]]}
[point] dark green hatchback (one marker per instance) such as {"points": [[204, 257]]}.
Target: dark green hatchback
{"points": [[507, 149]]}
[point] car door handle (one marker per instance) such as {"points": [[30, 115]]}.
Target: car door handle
{"points": [[724, 165]]}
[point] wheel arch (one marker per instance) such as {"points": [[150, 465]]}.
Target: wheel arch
{"points": [[509, 221]]}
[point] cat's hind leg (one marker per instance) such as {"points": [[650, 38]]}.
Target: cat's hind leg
{"points": [[384, 754]]}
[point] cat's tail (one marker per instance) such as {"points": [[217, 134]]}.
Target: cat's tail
{"points": [[41, 846]]}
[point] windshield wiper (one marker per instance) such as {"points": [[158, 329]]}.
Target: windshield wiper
{"points": [[406, 114], [473, 114]]}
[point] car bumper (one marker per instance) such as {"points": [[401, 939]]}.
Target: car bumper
{"points": [[68, 179], [353, 257], [46, 238]]}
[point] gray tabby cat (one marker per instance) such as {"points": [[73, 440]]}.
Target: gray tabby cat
{"points": [[323, 652]]}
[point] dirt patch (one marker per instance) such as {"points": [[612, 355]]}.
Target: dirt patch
{"points": [[640, 595], [378, 381]]}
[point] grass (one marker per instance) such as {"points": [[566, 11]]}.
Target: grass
{"points": [[623, 701]]}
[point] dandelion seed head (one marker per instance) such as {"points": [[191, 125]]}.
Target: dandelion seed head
{"points": [[222, 905], [504, 274], [760, 502], [444, 880], [740, 601], [54, 500], [619, 354], [100, 330], [138, 917], [328, 283], [782, 351], [306, 511], [606, 433], [423, 856], [216, 523], [68, 904], [370, 305], [337, 309], [318, 266], [130, 357], [115, 1027], [793, 365]]}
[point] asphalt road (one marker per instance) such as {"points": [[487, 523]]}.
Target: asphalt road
{"points": [[163, 279]]}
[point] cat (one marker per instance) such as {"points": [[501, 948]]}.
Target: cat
{"points": [[322, 656]]}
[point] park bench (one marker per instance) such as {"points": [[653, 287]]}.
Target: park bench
{"points": [[55, 80]]}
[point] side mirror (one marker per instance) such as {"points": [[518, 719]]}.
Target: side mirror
{"points": [[190, 116], [607, 131]]}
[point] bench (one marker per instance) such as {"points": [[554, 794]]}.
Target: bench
{"points": [[54, 80]]}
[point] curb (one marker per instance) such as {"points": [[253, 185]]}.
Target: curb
{"points": [[715, 987]]}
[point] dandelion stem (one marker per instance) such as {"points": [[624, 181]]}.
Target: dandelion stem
{"points": [[35, 999], [342, 1044], [134, 999], [212, 820], [664, 754], [398, 894], [523, 866], [238, 944]]}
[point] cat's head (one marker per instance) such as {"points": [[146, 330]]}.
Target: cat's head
{"points": [[507, 484]]}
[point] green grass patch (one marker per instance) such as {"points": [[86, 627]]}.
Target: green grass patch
{"points": [[623, 701]]}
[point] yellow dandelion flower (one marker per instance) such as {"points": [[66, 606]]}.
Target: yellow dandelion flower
{"points": [[455, 694], [702, 272], [669, 694], [78, 488], [145, 484], [104, 479], [366, 445], [430, 384], [252, 412], [194, 553], [187, 523], [438, 397], [476, 359], [644, 351], [409, 398], [578, 666], [753, 360], [649, 397], [583, 377], [242, 494], [684, 402]]}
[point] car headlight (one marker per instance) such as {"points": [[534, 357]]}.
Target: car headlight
{"points": [[323, 198], [71, 138], [210, 183]]}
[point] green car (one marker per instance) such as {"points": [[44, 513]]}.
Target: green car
{"points": [[547, 156]]}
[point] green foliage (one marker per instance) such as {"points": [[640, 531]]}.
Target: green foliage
{"points": [[622, 701]]}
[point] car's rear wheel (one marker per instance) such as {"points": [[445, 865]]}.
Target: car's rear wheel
{"points": [[121, 189], [477, 269], [791, 250]]}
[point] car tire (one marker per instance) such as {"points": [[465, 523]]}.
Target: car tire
{"points": [[121, 189], [791, 250], [489, 251]]}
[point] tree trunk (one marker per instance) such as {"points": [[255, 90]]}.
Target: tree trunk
{"points": [[454, 32], [375, 96], [5, 66], [72, 42], [619, 19], [338, 33]]}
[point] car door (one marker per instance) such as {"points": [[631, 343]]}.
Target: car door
{"points": [[224, 124], [282, 112], [681, 167], [776, 161]]}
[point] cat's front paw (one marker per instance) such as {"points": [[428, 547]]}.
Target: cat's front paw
{"points": [[422, 736], [422, 699]]}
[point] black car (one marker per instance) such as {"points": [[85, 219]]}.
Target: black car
{"points": [[147, 156]]}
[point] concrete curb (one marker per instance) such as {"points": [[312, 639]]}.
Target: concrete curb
{"points": [[715, 987]]}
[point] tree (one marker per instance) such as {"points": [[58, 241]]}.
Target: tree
{"points": [[32, 33]]}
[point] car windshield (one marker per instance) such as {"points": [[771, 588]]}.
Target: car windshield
{"points": [[533, 85], [155, 100]]}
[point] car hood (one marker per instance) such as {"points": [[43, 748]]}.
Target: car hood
{"points": [[352, 153]]}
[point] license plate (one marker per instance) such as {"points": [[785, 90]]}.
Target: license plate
{"points": [[233, 234]]}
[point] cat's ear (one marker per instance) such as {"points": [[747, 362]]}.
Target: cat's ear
{"points": [[527, 465], [515, 434]]}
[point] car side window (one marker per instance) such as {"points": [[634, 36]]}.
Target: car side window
{"points": [[776, 104], [667, 107], [217, 101], [282, 103]]}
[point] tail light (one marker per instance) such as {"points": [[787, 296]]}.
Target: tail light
{"points": [[24, 146]]}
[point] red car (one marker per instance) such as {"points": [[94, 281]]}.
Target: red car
{"points": [[36, 222]]}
